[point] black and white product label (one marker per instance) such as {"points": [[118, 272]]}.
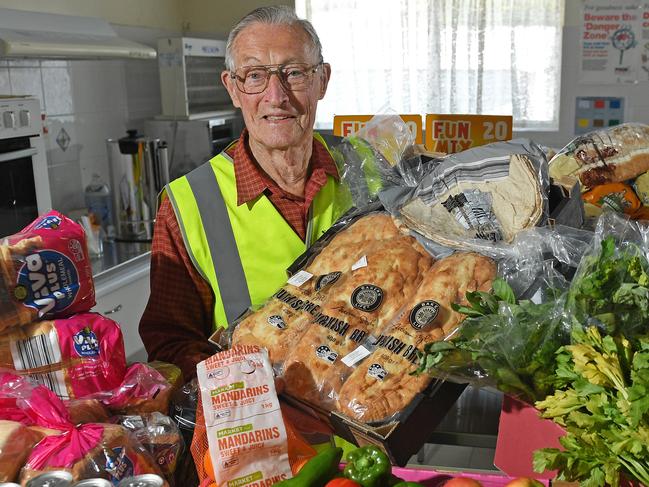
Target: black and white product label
{"points": [[367, 297], [36, 351], [423, 314], [473, 210], [323, 352], [326, 280], [40, 351], [377, 372], [277, 321]]}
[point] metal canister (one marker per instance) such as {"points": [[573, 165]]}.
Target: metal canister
{"points": [[54, 478], [93, 483], [144, 480]]}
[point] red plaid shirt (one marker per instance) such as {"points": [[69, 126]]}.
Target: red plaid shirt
{"points": [[178, 317]]}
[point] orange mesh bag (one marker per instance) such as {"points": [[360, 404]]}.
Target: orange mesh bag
{"points": [[299, 451]]}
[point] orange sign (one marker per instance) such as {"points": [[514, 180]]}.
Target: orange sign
{"points": [[455, 133], [346, 125]]}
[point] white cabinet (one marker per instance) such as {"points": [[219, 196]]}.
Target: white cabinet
{"points": [[122, 293]]}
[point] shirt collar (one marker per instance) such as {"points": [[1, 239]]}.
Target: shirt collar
{"points": [[251, 181]]}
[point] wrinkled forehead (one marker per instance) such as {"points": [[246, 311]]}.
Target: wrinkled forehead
{"points": [[272, 44]]}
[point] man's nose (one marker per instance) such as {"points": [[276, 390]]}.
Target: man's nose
{"points": [[276, 92]]}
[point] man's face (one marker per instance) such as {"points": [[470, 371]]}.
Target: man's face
{"points": [[277, 118]]}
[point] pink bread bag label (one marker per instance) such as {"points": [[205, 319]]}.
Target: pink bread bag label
{"points": [[45, 272], [74, 357]]}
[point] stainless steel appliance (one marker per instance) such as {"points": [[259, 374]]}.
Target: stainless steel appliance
{"points": [[190, 83], [24, 183], [192, 142], [139, 170]]}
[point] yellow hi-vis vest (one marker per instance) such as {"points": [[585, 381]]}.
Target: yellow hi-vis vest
{"points": [[243, 251]]}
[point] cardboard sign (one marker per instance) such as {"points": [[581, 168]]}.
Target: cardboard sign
{"points": [[455, 133], [346, 125]]}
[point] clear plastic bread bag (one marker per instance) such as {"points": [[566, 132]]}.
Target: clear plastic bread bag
{"points": [[160, 435], [289, 312], [86, 451], [381, 388], [361, 302]]}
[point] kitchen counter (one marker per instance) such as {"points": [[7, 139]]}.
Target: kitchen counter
{"points": [[117, 254]]}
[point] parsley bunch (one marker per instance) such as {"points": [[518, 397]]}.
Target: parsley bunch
{"points": [[602, 401], [503, 343]]}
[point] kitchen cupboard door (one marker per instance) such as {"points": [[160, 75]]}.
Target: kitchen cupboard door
{"points": [[122, 298]]}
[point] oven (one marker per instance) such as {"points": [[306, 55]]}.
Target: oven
{"points": [[24, 182]]}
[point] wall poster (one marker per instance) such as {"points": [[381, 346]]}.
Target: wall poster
{"points": [[614, 34]]}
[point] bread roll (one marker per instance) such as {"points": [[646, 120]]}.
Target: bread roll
{"points": [[613, 155], [16, 442], [361, 302], [381, 386]]}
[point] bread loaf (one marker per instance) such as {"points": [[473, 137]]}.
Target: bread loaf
{"points": [[381, 385], [74, 357], [114, 458], [45, 271]]}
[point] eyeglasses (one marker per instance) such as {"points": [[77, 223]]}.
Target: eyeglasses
{"points": [[295, 76]]}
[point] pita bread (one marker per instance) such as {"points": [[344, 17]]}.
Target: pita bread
{"points": [[516, 201]]}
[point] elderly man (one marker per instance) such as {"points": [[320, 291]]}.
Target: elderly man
{"points": [[228, 230]]}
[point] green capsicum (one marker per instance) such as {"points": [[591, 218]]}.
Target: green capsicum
{"points": [[368, 466], [317, 471], [408, 484]]}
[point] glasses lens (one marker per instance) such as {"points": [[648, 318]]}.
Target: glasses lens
{"points": [[253, 79], [296, 76]]}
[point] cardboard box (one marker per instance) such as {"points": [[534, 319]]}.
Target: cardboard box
{"points": [[521, 431], [399, 439]]}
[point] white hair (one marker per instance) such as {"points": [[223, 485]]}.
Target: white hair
{"points": [[274, 15]]}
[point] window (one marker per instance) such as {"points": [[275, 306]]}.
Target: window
{"points": [[496, 57]]}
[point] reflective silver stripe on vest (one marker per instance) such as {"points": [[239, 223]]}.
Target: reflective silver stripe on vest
{"points": [[220, 238]]}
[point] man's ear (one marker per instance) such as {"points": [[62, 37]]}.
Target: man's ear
{"points": [[324, 80], [228, 81]]}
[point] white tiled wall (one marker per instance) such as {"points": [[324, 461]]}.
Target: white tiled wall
{"points": [[91, 101]]}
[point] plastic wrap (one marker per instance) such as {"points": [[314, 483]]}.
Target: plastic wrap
{"points": [[86, 411], [611, 165], [612, 155], [380, 155], [478, 197], [282, 321], [362, 302], [74, 357], [86, 451], [45, 271], [611, 286], [509, 341], [380, 387], [160, 435], [146, 388]]}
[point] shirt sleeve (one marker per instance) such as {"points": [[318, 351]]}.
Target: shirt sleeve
{"points": [[177, 320]]}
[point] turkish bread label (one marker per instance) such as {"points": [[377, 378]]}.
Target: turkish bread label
{"points": [[245, 429]]}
